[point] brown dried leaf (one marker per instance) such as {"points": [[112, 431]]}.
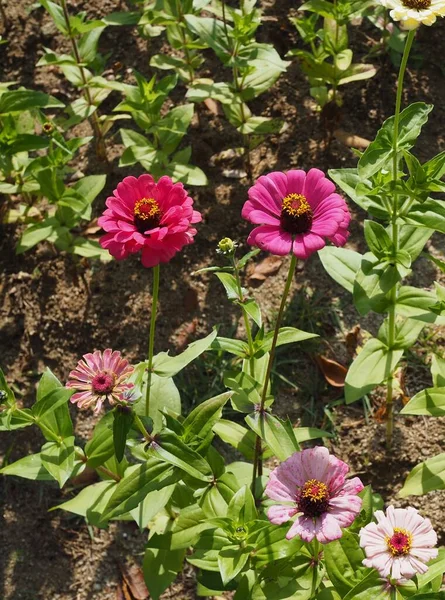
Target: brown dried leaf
{"points": [[213, 106], [119, 594], [186, 330], [353, 339], [380, 414], [334, 372], [92, 228], [262, 270], [351, 140], [134, 579]]}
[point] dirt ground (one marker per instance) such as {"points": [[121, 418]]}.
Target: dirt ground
{"points": [[53, 309]]}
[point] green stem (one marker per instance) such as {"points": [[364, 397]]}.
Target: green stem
{"points": [[101, 469], [151, 342], [246, 318], [184, 40], [395, 240], [258, 464], [140, 426], [100, 143]]}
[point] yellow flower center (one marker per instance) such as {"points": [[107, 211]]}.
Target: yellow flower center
{"points": [[147, 214], [400, 542], [417, 4], [296, 214], [314, 490], [313, 498]]}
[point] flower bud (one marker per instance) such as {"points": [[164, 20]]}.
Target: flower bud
{"points": [[226, 246]]}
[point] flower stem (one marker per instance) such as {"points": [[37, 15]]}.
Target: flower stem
{"points": [[395, 240], [246, 317], [141, 427], [258, 463], [100, 142], [151, 341]]}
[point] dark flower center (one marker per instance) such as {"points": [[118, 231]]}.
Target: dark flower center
{"points": [[400, 542], [313, 498], [147, 214], [103, 383], [417, 4], [296, 214]]}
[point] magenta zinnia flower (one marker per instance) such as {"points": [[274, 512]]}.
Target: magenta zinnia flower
{"points": [[399, 544], [152, 217], [296, 212], [312, 484], [99, 377]]}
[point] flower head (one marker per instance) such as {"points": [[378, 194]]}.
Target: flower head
{"points": [[312, 484], [226, 246], [399, 544], [296, 212], [99, 377], [154, 218], [413, 13]]}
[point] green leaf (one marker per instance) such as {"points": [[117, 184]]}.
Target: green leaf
{"points": [[101, 446], [429, 214], [341, 264], [278, 434], [151, 505], [212, 32], [271, 544], [237, 436], [201, 89], [123, 420], [151, 476], [29, 467], [50, 402], [57, 15], [380, 151], [344, 562], [247, 390], [160, 569], [407, 333], [230, 285], [425, 477], [253, 310], [438, 370], [20, 100], [185, 531], [286, 335], [427, 402], [35, 234], [168, 366], [377, 239], [58, 459], [241, 508], [436, 568], [413, 239], [201, 420], [231, 561], [168, 447], [415, 303], [57, 421], [87, 499], [373, 364], [357, 72], [236, 347], [370, 588], [164, 396]]}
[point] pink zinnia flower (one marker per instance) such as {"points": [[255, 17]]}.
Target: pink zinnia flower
{"points": [[99, 377], [399, 544], [312, 484], [152, 217], [296, 212]]}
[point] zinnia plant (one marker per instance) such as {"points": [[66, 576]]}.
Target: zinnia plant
{"points": [[313, 484], [400, 544], [99, 377]]}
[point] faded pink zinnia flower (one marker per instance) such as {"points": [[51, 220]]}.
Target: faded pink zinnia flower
{"points": [[99, 377], [312, 483], [151, 217], [296, 212], [399, 544]]}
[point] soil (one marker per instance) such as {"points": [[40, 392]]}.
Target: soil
{"points": [[54, 309]]}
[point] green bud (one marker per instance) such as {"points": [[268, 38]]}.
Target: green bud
{"points": [[227, 246]]}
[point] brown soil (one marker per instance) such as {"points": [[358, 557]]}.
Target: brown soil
{"points": [[53, 309]]}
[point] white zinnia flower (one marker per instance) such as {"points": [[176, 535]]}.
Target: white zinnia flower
{"points": [[400, 544], [413, 13]]}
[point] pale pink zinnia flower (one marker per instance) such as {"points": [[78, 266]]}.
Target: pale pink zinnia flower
{"points": [[99, 377], [312, 484], [399, 544], [296, 211], [154, 218]]}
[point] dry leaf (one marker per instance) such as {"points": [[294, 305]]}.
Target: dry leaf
{"points": [[234, 173], [334, 372], [350, 140], [380, 414], [213, 106], [353, 340], [262, 270], [134, 579], [184, 333], [92, 228]]}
